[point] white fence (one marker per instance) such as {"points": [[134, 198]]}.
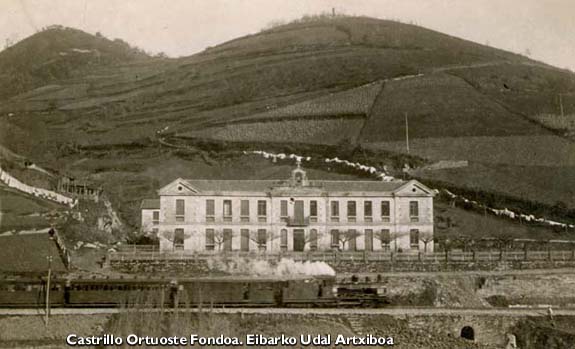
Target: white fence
{"points": [[12, 182], [142, 253]]}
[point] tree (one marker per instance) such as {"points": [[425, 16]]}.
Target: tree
{"points": [[465, 242], [385, 237], [426, 239], [503, 243], [309, 238], [446, 243], [347, 236], [263, 239], [173, 238], [221, 237]]}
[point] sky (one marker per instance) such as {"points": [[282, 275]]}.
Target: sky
{"points": [[543, 28]]}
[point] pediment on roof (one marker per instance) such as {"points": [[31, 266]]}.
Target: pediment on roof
{"points": [[178, 187], [413, 188]]}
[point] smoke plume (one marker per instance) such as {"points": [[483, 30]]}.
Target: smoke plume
{"points": [[259, 267]]}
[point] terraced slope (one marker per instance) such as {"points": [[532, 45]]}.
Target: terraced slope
{"points": [[312, 82], [440, 105], [242, 78]]}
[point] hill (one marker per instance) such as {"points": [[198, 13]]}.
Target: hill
{"points": [[341, 80], [57, 53]]}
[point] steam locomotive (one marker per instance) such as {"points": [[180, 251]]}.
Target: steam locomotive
{"points": [[316, 291]]}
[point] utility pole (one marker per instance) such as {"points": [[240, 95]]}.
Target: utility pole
{"points": [[48, 290], [406, 133]]}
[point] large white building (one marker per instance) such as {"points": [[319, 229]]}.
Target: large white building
{"points": [[296, 214]]}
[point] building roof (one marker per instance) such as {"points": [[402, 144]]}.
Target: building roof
{"points": [[267, 185], [150, 204], [297, 184]]}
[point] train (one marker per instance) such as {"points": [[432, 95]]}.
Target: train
{"points": [[308, 291]]}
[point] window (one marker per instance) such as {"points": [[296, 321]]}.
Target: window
{"points": [[414, 211], [228, 236], [385, 211], [385, 238], [368, 211], [156, 217], [210, 210], [414, 238], [368, 239], [313, 211], [210, 240], [262, 211], [335, 238], [313, 239], [245, 211], [284, 211], [262, 239], [227, 210], [284, 240], [245, 240], [352, 239], [335, 211], [180, 210], [179, 238], [351, 211]]}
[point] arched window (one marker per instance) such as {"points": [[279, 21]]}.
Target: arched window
{"points": [[299, 178]]}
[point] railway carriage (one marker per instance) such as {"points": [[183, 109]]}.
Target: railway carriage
{"points": [[111, 292], [223, 291], [29, 293]]}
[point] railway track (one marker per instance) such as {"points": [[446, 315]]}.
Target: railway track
{"points": [[351, 313], [373, 276]]}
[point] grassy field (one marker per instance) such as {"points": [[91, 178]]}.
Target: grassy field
{"points": [[19, 211], [526, 150], [477, 226], [527, 89], [548, 185], [440, 105], [30, 331], [28, 253], [537, 168]]}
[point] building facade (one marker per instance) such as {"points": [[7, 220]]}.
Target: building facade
{"points": [[291, 215]]}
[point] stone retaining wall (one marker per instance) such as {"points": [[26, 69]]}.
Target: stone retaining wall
{"points": [[201, 266]]}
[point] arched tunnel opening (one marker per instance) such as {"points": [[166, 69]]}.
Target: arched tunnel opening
{"points": [[467, 332]]}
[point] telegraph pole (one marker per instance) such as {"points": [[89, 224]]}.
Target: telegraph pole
{"points": [[561, 104], [406, 133], [48, 290]]}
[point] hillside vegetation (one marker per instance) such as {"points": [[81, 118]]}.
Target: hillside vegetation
{"points": [[334, 80], [57, 53]]}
